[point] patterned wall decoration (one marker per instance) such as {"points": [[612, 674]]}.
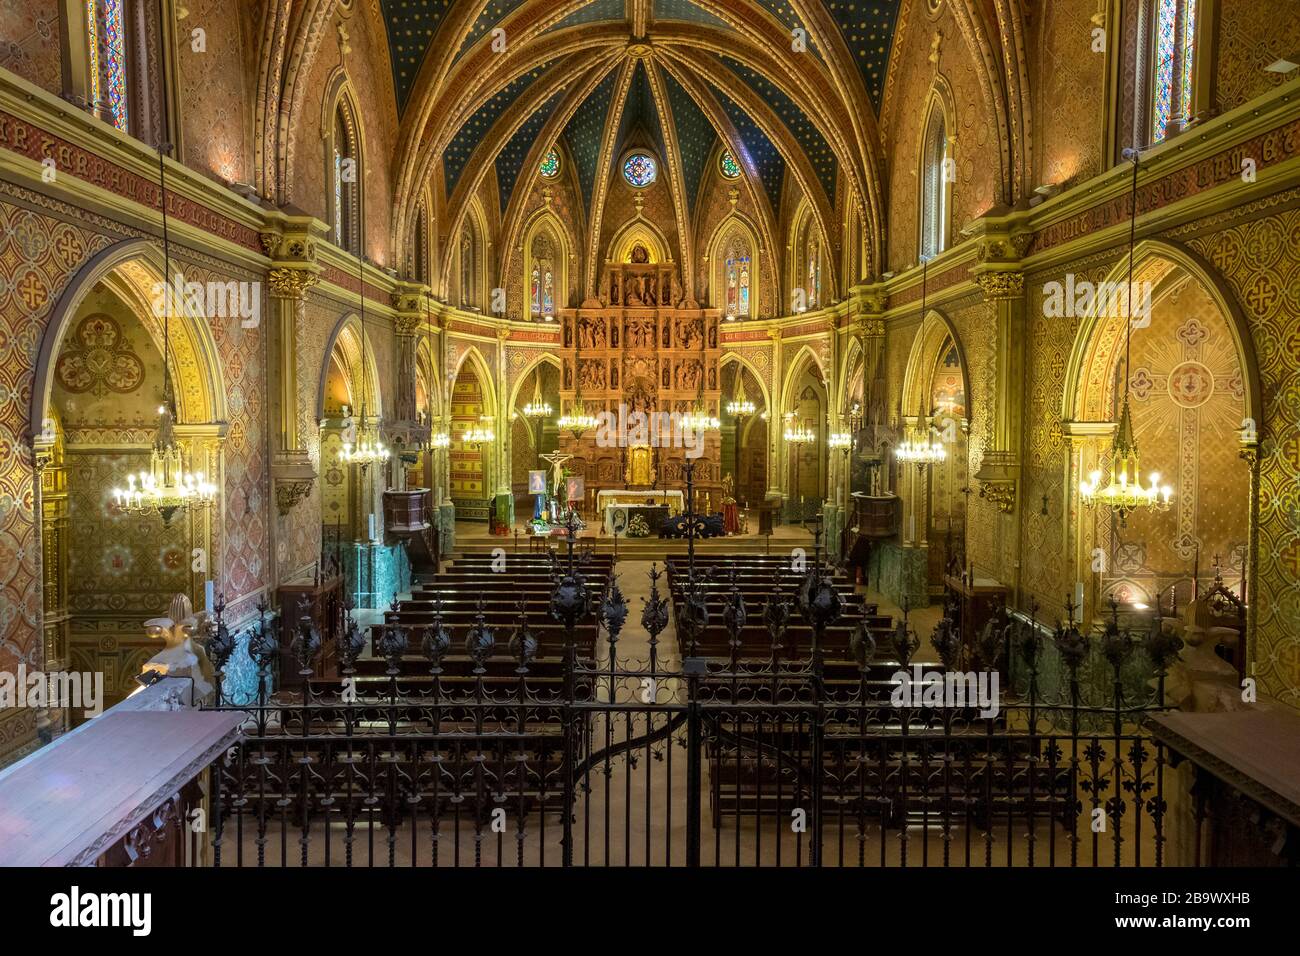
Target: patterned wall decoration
{"points": [[1258, 259], [1068, 97], [1251, 35], [31, 41], [912, 76], [510, 160], [458, 151], [411, 26], [377, 106], [38, 254], [805, 131], [583, 134], [213, 91]]}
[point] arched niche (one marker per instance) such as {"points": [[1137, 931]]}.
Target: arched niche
{"points": [[472, 404], [349, 380], [745, 446], [734, 233], [1195, 406], [530, 438], [804, 402], [643, 233], [546, 247]]}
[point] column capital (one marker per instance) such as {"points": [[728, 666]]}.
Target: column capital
{"points": [[1001, 284]]}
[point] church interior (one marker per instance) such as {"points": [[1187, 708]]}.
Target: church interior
{"points": [[650, 432]]}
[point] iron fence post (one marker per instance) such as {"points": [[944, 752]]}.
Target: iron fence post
{"points": [[694, 771]]}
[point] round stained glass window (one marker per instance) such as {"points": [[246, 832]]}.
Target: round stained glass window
{"points": [[727, 163], [550, 167], [640, 170]]}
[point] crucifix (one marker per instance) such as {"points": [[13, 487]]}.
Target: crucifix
{"points": [[556, 460]]}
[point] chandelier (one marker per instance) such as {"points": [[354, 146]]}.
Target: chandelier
{"points": [[537, 408], [577, 421], [920, 450], [368, 449], [840, 440], [741, 407], [479, 435], [166, 487], [441, 440], [797, 433], [1125, 493], [699, 419]]}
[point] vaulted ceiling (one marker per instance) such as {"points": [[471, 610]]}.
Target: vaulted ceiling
{"points": [[791, 87]]}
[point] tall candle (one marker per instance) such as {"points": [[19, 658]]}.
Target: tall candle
{"points": [[207, 595], [371, 521], [1078, 601]]}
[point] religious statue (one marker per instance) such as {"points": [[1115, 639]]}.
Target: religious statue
{"points": [[640, 254]]}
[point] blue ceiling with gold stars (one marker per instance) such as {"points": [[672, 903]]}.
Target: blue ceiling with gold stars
{"points": [[583, 134], [695, 136], [867, 28], [510, 161]]}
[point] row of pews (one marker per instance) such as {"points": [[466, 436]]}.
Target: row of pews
{"points": [[920, 766]]}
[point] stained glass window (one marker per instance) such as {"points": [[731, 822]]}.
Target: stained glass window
{"points": [[106, 27], [814, 273], [346, 177], [934, 194], [640, 170], [550, 167], [728, 165], [542, 287], [1173, 47], [737, 273]]}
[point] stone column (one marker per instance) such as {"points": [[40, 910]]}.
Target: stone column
{"points": [[293, 273]]}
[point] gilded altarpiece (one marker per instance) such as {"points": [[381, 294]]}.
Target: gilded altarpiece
{"points": [[637, 352]]}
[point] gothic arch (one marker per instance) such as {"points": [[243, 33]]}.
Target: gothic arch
{"points": [[935, 330], [546, 358], [639, 231], [734, 223], [546, 224], [728, 357], [347, 337], [139, 263], [1080, 399]]}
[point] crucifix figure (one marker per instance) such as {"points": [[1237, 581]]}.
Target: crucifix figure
{"points": [[556, 460]]}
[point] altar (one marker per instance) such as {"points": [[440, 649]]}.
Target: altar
{"points": [[610, 498]]}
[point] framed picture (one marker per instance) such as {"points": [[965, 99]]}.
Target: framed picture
{"points": [[537, 482], [576, 486]]}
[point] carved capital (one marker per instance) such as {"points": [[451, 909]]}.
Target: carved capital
{"points": [[1001, 285], [406, 323], [289, 492], [1001, 493], [289, 283]]}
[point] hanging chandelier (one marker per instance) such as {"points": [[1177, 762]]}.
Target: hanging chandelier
{"points": [[577, 421], [368, 449], [797, 433], [166, 487], [840, 440], [1124, 493], [921, 449], [699, 419], [537, 409], [478, 435], [741, 407], [441, 440]]}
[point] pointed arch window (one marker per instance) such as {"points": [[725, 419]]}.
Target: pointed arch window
{"points": [[106, 28], [420, 247], [468, 299], [813, 269], [738, 272], [346, 164], [1167, 29], [542, 277], [934, 182]]}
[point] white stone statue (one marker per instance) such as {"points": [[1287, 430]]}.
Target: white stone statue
{"points": [[180, 657]]}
